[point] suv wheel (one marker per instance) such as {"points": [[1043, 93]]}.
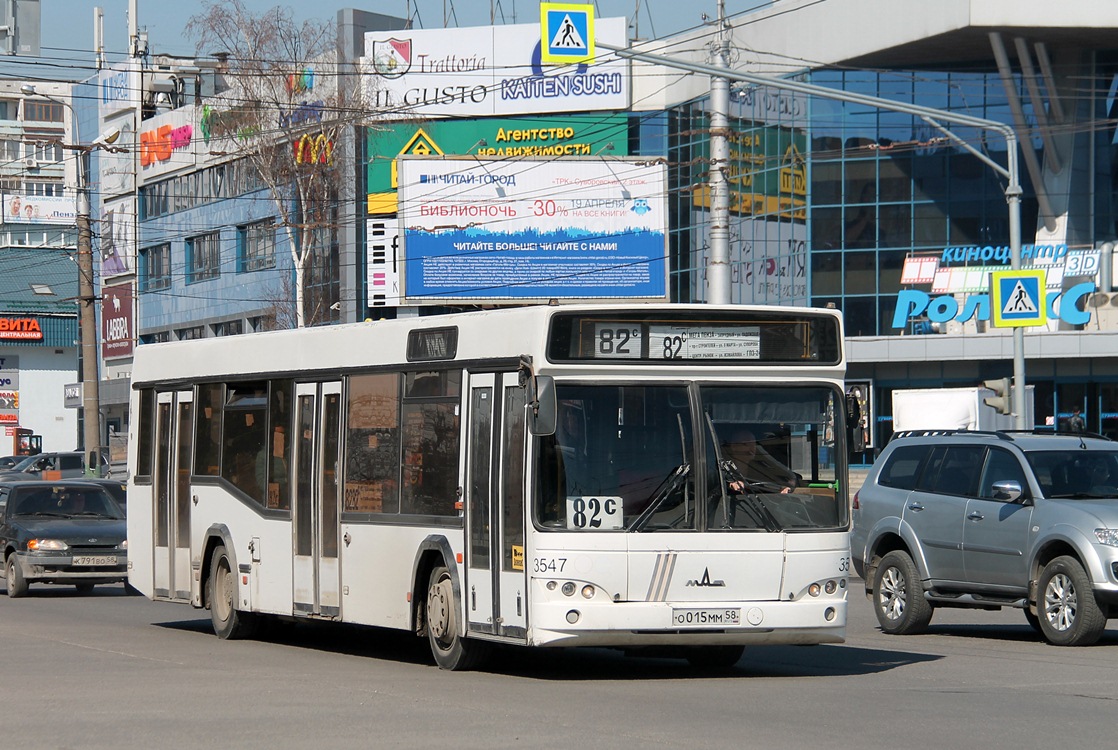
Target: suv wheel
{"points": [[1069, 614], [898, 598]]}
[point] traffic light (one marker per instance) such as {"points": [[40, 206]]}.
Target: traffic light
{"points": [[1003, 402]]}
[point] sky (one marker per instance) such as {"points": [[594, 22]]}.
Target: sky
{"points": [[67, 25]]}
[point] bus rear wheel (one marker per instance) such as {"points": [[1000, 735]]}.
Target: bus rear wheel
{"points": [[451, 651], [229, 622]]}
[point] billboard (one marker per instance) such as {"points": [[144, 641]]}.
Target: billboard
{"points": [[565, 135], [489, 70], [116, 321], [532, 229], [117, 237], [20, 208]]}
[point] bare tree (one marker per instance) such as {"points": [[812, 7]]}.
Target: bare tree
{"points": [[285, 110]]}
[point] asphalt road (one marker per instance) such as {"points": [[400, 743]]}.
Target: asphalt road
{"points": [[115, 671]]}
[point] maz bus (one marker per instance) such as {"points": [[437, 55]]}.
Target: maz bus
{"points": [[536, 476]]}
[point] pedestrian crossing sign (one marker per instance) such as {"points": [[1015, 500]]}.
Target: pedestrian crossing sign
{"points": [[1017, 298], [566, 33]]}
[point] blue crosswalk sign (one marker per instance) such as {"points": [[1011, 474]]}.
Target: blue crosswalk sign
{"points": [[567, 33], [1017, 298]]}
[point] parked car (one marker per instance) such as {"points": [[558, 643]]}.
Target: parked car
{"points": [[990, 520], [64, 532], [67, 465], [7, 462]]}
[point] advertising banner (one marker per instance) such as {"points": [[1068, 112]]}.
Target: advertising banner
{"points": [[566, 135], [523, 229], [118, 89], [19, 208], [117, 237], [116, 321], [489, 70]]}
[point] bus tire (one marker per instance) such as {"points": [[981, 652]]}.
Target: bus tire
{"points": [[451, 651], [229, 623], [714, 657], [17, 584]]}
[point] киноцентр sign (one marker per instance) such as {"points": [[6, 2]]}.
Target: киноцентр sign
{"points": [[524, 229]]}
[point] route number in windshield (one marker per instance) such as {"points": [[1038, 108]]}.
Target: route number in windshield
{"points": [[585, 513]]}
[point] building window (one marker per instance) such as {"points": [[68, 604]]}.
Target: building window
{"points": [[158, 337], [9, 149], [203, 257], [50, 153], [42, 111], [193, 332], [256, 246], [44, 188], [155, 267], [229, 328]]}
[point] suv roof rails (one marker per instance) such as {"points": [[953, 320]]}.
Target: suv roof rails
{"points": [[957, 431], [1055, 432], [1001, 434]]}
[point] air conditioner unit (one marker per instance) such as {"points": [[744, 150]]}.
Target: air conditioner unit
{"points": [[30, 163]]}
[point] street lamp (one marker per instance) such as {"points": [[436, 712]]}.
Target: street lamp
{"points": [[91, 400]]}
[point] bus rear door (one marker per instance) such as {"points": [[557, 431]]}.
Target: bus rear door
{"points": [[316, 575], [175, 432]]}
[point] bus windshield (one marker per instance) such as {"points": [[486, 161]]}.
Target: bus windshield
{"points": [[647, 458]]}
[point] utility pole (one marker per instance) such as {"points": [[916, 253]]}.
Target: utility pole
{"points": [[718, 270], [91, 398]]}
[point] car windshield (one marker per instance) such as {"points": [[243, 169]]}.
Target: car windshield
{"points": [[64, 501], [1076, 473], [25, 463], [705, 458]]}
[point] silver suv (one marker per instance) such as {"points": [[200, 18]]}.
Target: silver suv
{"points": [[989, 520]]}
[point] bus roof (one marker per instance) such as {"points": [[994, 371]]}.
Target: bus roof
{"points": [[497, 334]]}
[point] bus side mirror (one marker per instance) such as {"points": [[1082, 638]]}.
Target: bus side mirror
{"points": [[542, 406]]}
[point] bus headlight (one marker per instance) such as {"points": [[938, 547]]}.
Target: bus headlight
{"points": [[588, 591], [568, 589], [830, 587], [814, 589]]}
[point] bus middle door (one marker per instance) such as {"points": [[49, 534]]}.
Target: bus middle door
{"points": [[171, 483], [316, 576], [496, 581]]}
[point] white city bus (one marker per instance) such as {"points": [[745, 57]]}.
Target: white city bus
{"points": [[537, 476]]}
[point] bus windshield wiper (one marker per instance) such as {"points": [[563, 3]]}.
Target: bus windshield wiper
{"points": [[751, 492], [670, 484]]}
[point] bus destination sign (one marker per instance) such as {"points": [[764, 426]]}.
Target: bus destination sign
{"points": [[676, 341]]}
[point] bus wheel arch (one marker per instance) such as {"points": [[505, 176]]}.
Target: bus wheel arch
{"points": [[432, 552]]}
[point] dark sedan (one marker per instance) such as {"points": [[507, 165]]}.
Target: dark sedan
{"points": [[65, 532]]}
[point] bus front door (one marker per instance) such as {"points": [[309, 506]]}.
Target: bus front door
{"points": [[495, 590], [315, 503], [175, 432]]}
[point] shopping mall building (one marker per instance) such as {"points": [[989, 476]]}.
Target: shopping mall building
{"points": [[901, 221]]}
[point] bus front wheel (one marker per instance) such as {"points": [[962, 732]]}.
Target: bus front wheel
{"points": [[229, 622], [451, 651]]}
